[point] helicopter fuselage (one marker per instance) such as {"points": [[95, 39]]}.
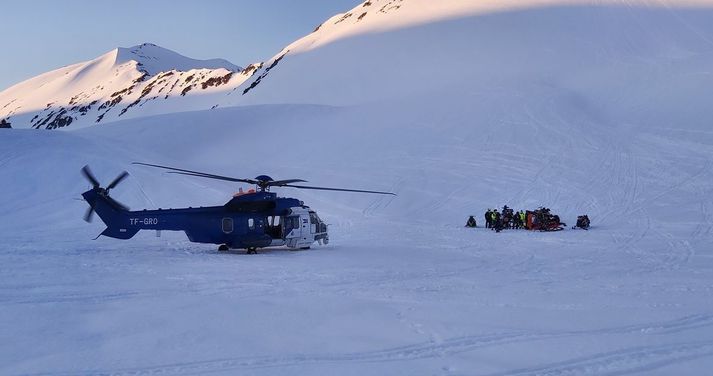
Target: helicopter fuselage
{"points": [[250, 221]]}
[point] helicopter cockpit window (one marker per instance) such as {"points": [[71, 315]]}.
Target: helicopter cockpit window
{"points": [[291, 223], [319, 226]]}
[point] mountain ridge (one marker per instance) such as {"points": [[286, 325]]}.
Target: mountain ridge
{"points": [[144, 75]]}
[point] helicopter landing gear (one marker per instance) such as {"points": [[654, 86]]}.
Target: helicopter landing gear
{"points": [[252, 251], [223, 248]]}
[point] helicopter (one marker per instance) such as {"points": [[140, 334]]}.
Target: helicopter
{"points": [[252, 219]]}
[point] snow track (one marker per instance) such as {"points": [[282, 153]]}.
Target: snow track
{"points": [[634, 359], [625, 361]]}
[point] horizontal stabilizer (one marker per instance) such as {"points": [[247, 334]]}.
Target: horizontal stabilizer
{"points": [[120, 233]]}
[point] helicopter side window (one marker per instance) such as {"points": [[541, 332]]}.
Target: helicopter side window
{"points": [[251, 224], [275, 221], [227, 225]]}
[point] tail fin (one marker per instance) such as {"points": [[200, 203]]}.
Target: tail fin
{"points": [[112, 213]]}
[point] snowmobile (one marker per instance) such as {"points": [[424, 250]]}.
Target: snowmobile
{"points": [[508, 217], [542, 220], [582, 222]]}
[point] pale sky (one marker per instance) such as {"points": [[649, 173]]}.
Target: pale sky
{"points": [[41, 35]]}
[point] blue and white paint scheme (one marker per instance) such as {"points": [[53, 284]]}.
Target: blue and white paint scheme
{"points": [[250, 220]]}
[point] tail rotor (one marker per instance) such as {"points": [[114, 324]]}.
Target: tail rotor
{"points": [[103, 192]]}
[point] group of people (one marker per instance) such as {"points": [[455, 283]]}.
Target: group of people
{"points": [[507, 218], [540, 219]]}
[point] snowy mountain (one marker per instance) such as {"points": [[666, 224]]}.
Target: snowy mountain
{"points": [[585, 107], [387, 49], [123, 83]]}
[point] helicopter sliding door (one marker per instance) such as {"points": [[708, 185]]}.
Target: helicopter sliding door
{"points": [[292, 228], [274, 226]]}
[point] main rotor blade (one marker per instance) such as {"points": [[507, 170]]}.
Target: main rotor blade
{"points": [[198, 173], [88, 214], [118, 180], [280, 183], [88, 174], [339, 189], [217, 177]]}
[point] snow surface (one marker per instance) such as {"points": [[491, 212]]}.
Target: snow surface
{"points": [[609, 121], [155, 59]]}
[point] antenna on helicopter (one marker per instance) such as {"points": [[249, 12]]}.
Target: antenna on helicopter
{"points": [[263, 182]]}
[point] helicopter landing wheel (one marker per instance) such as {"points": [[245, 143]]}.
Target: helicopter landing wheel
{"points": [[223, 248], [252, 251]]}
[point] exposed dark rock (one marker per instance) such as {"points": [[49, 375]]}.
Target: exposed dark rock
{"points": [[264, 74], [189, 78], [217, 81], [84, 109], [366, 4], [132, 104], [251, 69], [60, 120], [362, 16], [110, 104], [45, 121], [6, 124], [143, 76], [127, 91], [171, 89], [344, 17], [274, 63], [9, 103], [146, 90], [391, 5], [186, 90]]}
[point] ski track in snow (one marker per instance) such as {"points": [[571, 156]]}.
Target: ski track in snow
{"points": [[634, 359], [625, 361]]}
